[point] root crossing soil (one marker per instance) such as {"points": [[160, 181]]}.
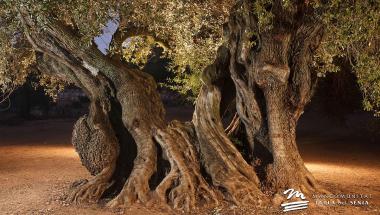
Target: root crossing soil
{"points": [[38, 163]]}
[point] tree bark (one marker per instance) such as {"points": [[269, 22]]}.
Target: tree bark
{"points": [[107, 82], [135, 156], [274, 81], [226, 166]]}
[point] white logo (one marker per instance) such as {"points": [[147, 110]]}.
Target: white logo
{"points": [[297, 205]]}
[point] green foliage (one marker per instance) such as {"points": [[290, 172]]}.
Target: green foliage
{"points": [[192, 31], [52, 85], [352, 31], [137, 49], [15, 53]]}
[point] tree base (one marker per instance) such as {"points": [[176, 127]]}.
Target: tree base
{"points": [[283, 177], [88, 191]]}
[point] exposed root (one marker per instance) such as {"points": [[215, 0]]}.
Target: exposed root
{"points": [[184, 184], [242, 192], [301, 180], [310, 185], [136, 188], [92, 190]]}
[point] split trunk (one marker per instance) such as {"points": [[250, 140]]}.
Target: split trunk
{"points": [[135, 156]]}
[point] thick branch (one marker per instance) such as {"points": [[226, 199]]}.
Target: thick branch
{"points": [[50, 66]]}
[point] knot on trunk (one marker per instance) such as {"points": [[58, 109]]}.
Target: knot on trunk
{"points": [[268, 73], [88, 142]]}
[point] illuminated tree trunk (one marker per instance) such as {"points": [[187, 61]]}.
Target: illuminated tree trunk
{"points": [[135, 156], [222, 160], [124, 137], [274, 79]]}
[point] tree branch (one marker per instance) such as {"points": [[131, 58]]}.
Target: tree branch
{"points": [[128, 30], [63, 45]]}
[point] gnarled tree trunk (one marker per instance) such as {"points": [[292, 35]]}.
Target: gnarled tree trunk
{"points": [[274, 79], [135, 156], [222, 160]]}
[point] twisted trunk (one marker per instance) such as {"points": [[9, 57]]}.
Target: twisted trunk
{"points": [[116, 90], [135, 156], [226, 166], [274, 81]]}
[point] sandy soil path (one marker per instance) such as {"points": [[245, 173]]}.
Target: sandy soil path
{"points": [[37, 163]]}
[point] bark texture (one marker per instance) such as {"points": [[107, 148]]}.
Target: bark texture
{"points": [[226, 166], [274, 81], [135, 156]]}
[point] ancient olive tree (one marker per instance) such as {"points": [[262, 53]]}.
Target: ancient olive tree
{"points": [[261, 59]]}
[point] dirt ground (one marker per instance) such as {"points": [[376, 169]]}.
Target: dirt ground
{"points": [[37, 163]]}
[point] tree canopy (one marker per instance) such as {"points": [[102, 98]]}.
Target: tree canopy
{"points": [[190, 32], [258, 59]]}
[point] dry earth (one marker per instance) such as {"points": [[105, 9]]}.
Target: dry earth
{"points": [[37, 163]]}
